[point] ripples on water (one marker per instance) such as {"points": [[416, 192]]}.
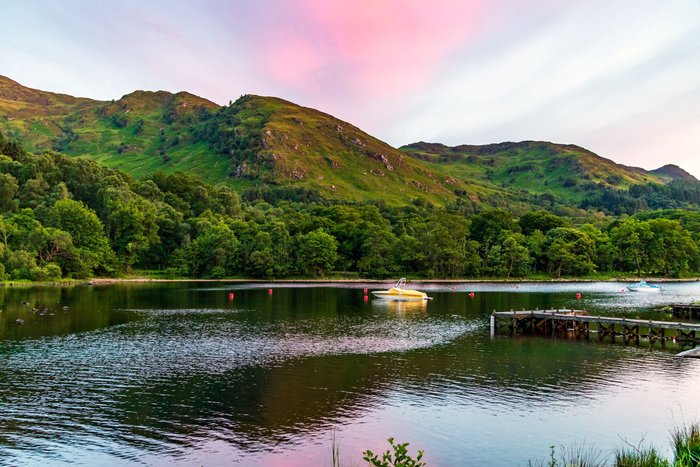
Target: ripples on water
{"points": [[72, 387], [259, 381]]}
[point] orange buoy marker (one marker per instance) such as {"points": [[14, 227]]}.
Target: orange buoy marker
{"points": [[269, 291], [471, 294], [578, 296], [230, 295]]}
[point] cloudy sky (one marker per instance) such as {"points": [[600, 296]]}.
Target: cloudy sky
{"points": [[619, 77]]}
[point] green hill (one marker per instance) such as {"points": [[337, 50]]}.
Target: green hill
{"points": [[254, 141], [137, 133], [568, 172], [672, 172], [265, 141]]}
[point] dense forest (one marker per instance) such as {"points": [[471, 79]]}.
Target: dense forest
{"points": [[64, 217]]}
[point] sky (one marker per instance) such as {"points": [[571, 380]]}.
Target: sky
{"points": [[618, 77]]}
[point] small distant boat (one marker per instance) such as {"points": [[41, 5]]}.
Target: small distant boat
{"points": [[400, 293], [642, 286]]}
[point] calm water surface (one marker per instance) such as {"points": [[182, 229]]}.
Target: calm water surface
{"points": [[163, 374]]}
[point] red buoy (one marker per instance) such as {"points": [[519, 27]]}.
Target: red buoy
{"points": [[230, 295], [578, 296], [269, 291], [366, 298], [365, 290], [471, 294]]}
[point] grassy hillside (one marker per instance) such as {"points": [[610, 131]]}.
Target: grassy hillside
{"points": [[568, 172], [670, 172], [282, 143], [255, 140], [258, 141], [138, 133]]}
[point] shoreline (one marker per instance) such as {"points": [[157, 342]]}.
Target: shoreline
{"points": [[142, 280]]}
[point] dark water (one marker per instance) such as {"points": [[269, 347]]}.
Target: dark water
{"points": [[163, 374]]}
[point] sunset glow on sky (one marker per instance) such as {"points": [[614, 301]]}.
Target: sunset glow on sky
{"points": [[620, 78]]}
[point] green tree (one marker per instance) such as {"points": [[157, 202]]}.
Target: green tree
{"points": [[26, 232], [491, 225], [516, 256], [570, 251], [8, 189], [673, 248], [214, 251], [130, 223], [604, 257], [19, 264], [33, 191], [92, 250], [261, 262], [173, 233], [281, 244], [540, 220], [407, 254], [495, 262], [632, 240], [376, 258], [536, 244], [317, 252]]}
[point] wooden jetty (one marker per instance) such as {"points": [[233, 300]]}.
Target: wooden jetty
{"points": [[686, 311], [580, 324]]}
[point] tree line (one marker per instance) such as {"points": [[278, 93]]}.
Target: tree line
{"points": [[64, 217]]}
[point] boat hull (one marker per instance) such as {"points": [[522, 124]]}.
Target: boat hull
{"points": [[398, 297]]}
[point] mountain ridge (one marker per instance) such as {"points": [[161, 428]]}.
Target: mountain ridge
{"points": [[674, 172], [262, 140]]}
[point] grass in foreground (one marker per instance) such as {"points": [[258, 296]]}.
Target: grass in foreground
{"points": [[685, 438], [686, 443]]}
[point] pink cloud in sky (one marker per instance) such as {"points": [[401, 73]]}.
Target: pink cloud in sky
{"points": [[365, 46]]}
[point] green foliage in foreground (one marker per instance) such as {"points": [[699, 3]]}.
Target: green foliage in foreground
{"points": [[398, 456], [686, 444], [640, 457], [685, 438], [70, 218]]}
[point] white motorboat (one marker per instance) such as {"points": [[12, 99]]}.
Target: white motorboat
{"points": [[642, 286]]}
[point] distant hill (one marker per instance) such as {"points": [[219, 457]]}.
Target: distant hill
{"points": [[673, 172], [568, 172], [266, 141]]}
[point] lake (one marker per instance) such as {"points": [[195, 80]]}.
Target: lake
{"points": [[178, 374]]}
